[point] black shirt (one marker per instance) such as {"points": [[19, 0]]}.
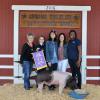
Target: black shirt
{"points": [[26, 53]]}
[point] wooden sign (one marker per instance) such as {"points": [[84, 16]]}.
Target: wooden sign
{"points": [[50, 19]]}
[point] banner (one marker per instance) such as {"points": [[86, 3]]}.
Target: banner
{"points": [[39, 60]]}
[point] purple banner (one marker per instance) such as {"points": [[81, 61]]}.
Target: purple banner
{"points": [[39, 60]]}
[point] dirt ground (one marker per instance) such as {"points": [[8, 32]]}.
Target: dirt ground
{"points": [[17, 92]]}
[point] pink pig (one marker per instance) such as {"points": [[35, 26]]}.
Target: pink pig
{"points": [[58, 78]]}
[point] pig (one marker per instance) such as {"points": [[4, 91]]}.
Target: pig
{"points": [[54, 78]]}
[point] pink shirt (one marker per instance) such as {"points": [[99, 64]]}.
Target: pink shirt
{"points": [[60, 53]]}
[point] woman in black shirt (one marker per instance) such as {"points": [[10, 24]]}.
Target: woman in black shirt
{"points": [[27, 59]]}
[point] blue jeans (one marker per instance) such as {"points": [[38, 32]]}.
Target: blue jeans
{"points": [[27, 69]]}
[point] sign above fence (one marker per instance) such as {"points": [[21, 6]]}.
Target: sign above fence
{"points": [[50, 19]]}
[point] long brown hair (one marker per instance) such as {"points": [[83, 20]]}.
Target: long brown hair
{"points": [[59, 38]]}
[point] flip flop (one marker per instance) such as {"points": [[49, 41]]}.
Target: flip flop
{"points": [[74, 95]]}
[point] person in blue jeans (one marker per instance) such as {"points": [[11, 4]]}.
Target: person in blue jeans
{"points": [[74, 56], [27, 59]]}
